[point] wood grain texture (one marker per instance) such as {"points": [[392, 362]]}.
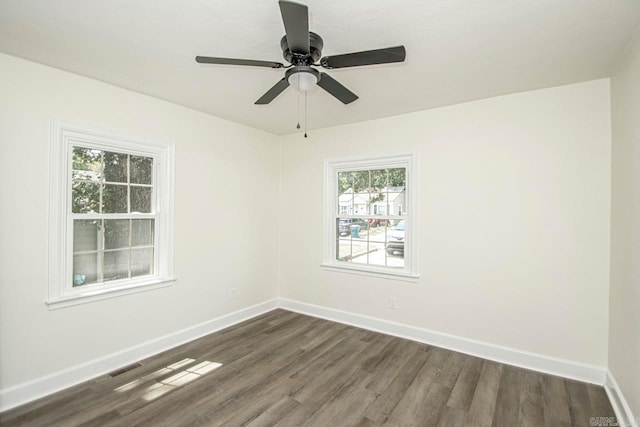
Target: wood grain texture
{"points": [[287, 369]]}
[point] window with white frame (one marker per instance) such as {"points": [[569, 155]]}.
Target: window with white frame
{"points": [[370, 222], [111, 211]]}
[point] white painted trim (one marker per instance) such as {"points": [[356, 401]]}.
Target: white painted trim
{"points": [[102, 294], [550, 365], [65, 135], [624, 415], [40, 387], [371, 271], [56, 381], [408, 160]]}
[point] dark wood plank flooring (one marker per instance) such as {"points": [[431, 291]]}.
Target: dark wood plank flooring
{"points": [[287, 369]]}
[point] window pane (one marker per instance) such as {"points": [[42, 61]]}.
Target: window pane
{"points": [[395, 260], [355, 180], [142, 232], [361, 203], [345, 182], [345, 203], [86, 159], [116, 233], [141, 170], [141, 262], [360, 181], [114, 198], [115, 167], [343, 250], [116, 265], [359, 228], [343, 227], [378, 179], [85, 269], [141, 199], [378, 230], [377, 199], [86, 176], [85, 197], [397, 177], [395, 243], [377, 254], [396, 203], [85, 235]]}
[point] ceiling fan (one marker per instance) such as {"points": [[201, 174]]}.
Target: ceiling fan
{"points": [[302, 49]]}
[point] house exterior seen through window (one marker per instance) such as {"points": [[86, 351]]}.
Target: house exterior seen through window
{"points": [[113, 219], [111, 215], [369, 216]]}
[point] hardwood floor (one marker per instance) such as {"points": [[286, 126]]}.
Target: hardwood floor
{"points": [[287, 369]]}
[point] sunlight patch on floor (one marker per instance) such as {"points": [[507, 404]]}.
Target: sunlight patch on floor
{"points": [[178, 379]]}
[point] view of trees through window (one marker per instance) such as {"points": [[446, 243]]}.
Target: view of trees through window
{"points": [[113, 218], [370, 224]]}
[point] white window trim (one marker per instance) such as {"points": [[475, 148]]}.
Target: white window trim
{"points": [[331, 168], [64, 135]]}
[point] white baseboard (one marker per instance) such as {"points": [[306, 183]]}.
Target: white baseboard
{"points": [[537, 362], [624, 416], [40, 387]]}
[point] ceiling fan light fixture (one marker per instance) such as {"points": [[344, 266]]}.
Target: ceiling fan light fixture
{"points": [[302, 78], [303, 81]]}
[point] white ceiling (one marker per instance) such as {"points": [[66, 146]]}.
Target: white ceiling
{"points": [[457, 50]]}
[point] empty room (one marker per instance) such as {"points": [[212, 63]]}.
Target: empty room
{"points": [[323, 213]]}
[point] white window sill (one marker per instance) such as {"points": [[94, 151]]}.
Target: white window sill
{"points": [[373, 272], [91, 295]]}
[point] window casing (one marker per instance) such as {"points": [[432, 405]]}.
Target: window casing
{"points": [[111, 215], [369, 216]]}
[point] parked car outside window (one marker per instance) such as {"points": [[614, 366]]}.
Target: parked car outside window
{"points": [[344, 225], [375, 222], [395, 245]]}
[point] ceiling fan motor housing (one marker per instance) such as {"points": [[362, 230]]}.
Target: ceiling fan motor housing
{"points": [[305, 59]]}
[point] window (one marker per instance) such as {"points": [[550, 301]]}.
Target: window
{"points": [[111, 210], [369, 216]]}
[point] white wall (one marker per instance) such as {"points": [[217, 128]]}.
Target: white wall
{"points": [[513, 217], [624, 332], [514, 221], [227, 178]]}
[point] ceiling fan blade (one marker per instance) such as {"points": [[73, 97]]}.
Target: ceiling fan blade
{"points": [[336, 89], [296, 25], [368, 57], [232, 61], [273, 92]]}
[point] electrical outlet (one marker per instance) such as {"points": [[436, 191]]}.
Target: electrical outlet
{"points": [[232, 293], [393, 303]]}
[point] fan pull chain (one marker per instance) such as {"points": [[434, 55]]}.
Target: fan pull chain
{"points": [[298, 125], [305, 114]]}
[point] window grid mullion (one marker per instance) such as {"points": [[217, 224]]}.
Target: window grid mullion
{"points": [[101, 183], [96, 216], [101, 244], [100, 259], [130, 242], [129, 211], [128, 184]]}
